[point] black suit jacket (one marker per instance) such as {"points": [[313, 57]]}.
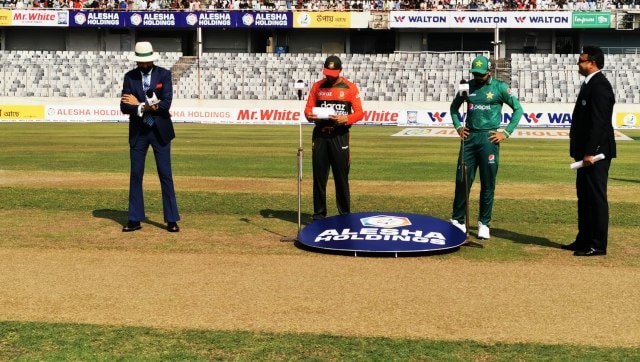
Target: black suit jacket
{"points": [[163, 88], [591, 124]]}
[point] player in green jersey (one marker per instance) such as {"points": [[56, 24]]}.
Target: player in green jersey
{"points": [[481, 145]]}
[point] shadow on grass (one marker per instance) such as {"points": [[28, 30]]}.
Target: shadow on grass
{"points": [[626, 180], [287, 215], [524, 239], [248, 221], [121, 217]]}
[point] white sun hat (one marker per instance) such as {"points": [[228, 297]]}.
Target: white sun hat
{"points": [[143, 53]]}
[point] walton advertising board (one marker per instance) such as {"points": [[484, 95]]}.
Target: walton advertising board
{"points": [[487, 19]]}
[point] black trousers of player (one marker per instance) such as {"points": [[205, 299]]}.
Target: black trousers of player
{"points": [[330, 150], [593, 208]]}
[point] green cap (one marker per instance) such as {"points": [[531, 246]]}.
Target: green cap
{"points": [[480, 65]]}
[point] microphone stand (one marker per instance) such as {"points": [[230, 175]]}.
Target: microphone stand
{"points": [[463, 167], [300, 156]]}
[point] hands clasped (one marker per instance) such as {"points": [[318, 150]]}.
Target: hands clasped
{"points": [[130, 99]]}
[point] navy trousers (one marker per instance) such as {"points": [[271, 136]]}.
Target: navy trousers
{"points": [[162, 152]]}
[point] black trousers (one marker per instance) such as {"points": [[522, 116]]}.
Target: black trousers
{"points": [[330, 150], [593, 207]]}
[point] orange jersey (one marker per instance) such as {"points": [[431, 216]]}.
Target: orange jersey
{"points": [[343, 97]]}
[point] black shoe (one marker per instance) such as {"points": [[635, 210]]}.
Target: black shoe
{"points": [[173, 227], [590, 252], [575, 246], [131, 226]]}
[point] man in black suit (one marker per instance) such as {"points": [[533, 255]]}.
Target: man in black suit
{"points": [[591, 134], [147, 93]]}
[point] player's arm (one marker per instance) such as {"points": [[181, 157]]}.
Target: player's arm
{"points": [[357, 113], [515, 105], [454, 110]]}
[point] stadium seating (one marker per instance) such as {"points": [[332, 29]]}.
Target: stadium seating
{"points": [[554, 78], [400, 76]]}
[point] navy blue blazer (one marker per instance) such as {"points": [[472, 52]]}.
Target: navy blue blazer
{"points": [[591, 122], [163, 88]]}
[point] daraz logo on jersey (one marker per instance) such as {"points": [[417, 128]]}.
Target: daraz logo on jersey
{"points": [[329, 93]]}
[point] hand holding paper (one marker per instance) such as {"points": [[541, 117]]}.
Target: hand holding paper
{"points": [[323, 112], [578, 164]]}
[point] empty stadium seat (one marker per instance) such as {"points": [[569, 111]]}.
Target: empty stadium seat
{"points": [[401, 76]]}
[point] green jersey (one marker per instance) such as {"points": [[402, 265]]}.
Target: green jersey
{"points": [[484, 107]]}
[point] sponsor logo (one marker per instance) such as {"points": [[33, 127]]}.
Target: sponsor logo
{"points": [[383, 228], [80, 18], [437, 116], [630, 120], [304, 20], [214, 19], [269, 115], [384, 117], [136, 19], [412, 117], [192, 19], [375, 232], [247, 19], [159, 19], [384, 221], [382, 234], [533, 117], [479, 107]]}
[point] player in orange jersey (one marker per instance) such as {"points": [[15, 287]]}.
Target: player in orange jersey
{"points": [[333, 105]]}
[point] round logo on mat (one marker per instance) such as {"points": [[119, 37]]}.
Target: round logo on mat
{"points": [[382, 232]]}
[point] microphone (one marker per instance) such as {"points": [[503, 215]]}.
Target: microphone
{"points": [[152, 99], [463, 88]]}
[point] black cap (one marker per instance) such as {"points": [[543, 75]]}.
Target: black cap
{"points": [[332, 66]]}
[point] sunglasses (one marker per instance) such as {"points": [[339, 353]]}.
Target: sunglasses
{"points": [[580, 61]]}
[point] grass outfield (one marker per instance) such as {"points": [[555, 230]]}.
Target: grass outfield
{"points": [[64, 196]]}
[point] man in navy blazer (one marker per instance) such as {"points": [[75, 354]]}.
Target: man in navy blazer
{"points": [[147, 93], [591, 134]]}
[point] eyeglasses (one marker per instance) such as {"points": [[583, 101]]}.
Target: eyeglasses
{"points": [[478, 75], [580, 61]]}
